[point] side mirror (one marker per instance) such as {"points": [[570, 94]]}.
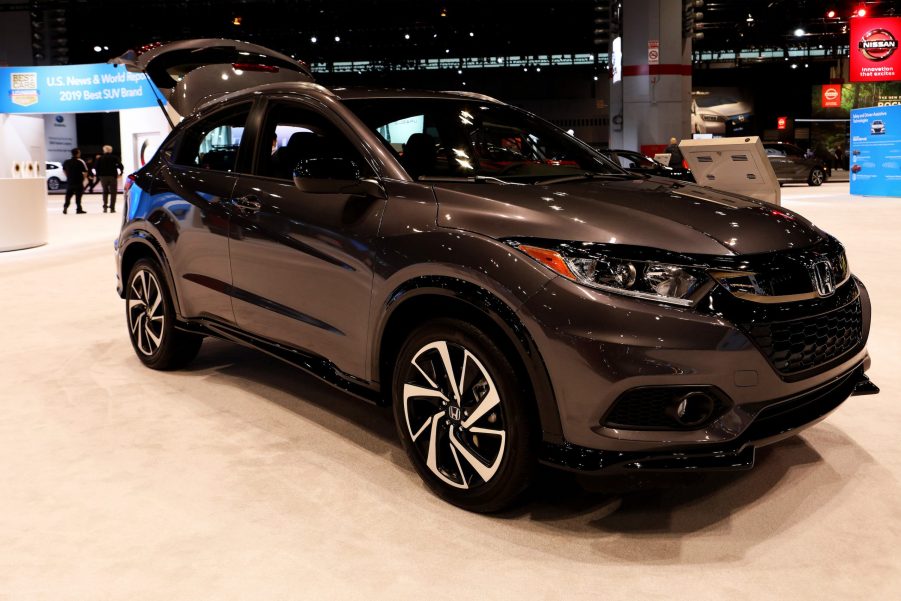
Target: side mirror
{"points": [[334, 175]]}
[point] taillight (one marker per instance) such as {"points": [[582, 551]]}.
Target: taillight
{"points": [[129, 181], [684, 164]]}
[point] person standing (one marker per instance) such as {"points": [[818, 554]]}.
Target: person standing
{"points": [[109, 168], [675, 155], [76, 171]]}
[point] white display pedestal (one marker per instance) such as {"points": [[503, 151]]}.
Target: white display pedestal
{"points": [[23, 213]]}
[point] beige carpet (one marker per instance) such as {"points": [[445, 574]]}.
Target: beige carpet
{"points": [[244, 479]]}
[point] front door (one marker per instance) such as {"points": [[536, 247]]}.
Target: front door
{"points": [[302, 262]]}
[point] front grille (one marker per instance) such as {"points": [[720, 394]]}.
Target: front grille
{"points": [[799, 345]]}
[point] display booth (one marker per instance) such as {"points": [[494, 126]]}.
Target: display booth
{"points": [[27, 96]]}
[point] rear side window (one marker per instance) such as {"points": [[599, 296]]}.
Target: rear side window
{"points": [[213, 143]]}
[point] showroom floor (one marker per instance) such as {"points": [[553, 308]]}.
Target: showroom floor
{"points": [[244, 479]]}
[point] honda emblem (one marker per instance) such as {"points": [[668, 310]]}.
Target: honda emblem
{"points": [[823, 280]]}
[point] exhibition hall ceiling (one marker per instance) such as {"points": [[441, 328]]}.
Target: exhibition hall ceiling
{"points": [[394, 30]]}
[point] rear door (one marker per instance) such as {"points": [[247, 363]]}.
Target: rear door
{"points": [[302, 262], [189, 195]]}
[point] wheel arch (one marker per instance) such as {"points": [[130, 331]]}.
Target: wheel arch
{"points": [[142, 245], [413, 302]]}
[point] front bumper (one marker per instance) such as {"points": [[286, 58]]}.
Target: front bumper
{"points": [[774, 422], [618, 344]]}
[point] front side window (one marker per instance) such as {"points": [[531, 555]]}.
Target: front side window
{"points": [[213, 143], [441, 137], [295, 133]]}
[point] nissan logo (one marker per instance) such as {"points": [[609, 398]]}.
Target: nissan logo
{"points": [[822, 276], [831, 93], [877, 44]]}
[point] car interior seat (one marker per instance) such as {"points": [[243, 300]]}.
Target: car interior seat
{"points": [[420, 153]]}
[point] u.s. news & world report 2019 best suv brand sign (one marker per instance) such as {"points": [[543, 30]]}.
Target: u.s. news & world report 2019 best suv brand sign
{"points": [[72, 89], [874, 49]]}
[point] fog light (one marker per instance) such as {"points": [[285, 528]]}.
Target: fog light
{"points": [[692, 409]]}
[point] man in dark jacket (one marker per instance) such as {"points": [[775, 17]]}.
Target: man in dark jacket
{"points": [[75, 171], [109, 168]]}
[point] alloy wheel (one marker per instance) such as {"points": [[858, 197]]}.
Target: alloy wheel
{"points": [[146, 312], [816, 177], [454, 415]]}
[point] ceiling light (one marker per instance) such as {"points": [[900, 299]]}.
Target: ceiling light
{"points": [[799, 32], [406, 36], [794, 66], [236, 21], [861, 12], [337, 38], [750, 18], [313, 39], [830, 14], [97, 48], [472, 35]]}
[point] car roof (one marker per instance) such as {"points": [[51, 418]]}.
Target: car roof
{"points": [[372, 93], [341, 93]]}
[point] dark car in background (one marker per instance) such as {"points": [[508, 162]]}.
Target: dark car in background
{"points": [[635, 162], [515, 297], [792, 166]]}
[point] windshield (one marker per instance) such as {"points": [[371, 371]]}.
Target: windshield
{"points": [[446, 137]]}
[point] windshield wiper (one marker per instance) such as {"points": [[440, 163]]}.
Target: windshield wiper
{"points": [[588, 175], [481, 179]]}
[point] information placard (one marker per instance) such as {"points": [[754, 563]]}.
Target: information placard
{"points": [[73, 89], [876, 151]]}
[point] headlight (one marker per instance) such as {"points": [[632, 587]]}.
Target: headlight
{"points": [[652, 280]]}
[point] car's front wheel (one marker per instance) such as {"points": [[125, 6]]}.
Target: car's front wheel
{"points": [[151, 320], [817, 177], [464, 417], [53, 183]]}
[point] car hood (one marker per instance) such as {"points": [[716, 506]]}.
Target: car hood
{"points": [[649, 212]]}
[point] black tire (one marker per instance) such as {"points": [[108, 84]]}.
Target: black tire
{"points": [[817, 177], [150, 317], [54, 183], [506, 421]]}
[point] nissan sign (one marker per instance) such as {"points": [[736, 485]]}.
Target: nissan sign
{"points": [[832, 96], [874, 49]]}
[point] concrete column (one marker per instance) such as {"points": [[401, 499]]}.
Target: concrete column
{"points": [[656, 98]]}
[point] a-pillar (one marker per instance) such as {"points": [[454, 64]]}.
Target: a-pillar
{"points": [[651, 97]]}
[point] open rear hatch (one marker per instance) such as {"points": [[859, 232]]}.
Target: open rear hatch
{"points": [[191, 72]]}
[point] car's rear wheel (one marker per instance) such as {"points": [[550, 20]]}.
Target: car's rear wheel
{"points": [[817, 177], [53, 183], [151, 320], [465, 420]]}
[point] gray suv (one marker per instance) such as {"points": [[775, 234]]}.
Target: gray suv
{"points": [[512, 295]]}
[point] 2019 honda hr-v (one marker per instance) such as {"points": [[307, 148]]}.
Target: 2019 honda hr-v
{"points": [[514, 296]]}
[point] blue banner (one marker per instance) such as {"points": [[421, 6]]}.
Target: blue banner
{"points": [[73, 89], [876, 151]]}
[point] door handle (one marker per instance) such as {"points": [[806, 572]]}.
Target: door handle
{"points": [[247, 204]]}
